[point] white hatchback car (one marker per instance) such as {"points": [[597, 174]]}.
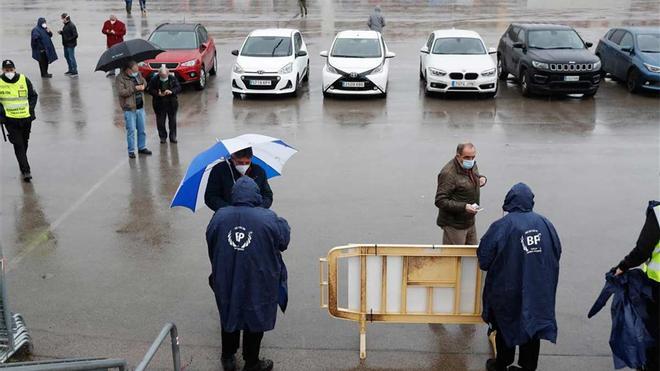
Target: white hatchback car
{"points": [[457, 61], [358, 63], [270, 61]]}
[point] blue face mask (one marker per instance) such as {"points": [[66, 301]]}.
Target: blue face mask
{"points": [[468, 164], [134, 74]]}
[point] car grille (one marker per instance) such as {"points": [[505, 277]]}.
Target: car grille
{"points": [[273, 82], [368, 85], [471, 76], [460, 76], [168, 65], [577, 67], [456, 76]]}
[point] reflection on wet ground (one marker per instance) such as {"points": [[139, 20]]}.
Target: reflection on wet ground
{"points": [[98, 261]]}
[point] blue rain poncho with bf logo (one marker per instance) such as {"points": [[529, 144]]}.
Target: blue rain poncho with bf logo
{"points": [[521, 254], [248, 275]]}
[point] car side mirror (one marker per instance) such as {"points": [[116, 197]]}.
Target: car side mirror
{"points": [[202, 47], [324, 54], [390, 55], [519, 45], [627, 49], [301, 53], [588, 44], [424, 50], [492, 51], [234, 52]]}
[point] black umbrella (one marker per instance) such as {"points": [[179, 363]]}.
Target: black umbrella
{"points": [[120, 54]]}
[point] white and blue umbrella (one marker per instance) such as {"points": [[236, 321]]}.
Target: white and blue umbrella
{"points": [[268, 152]]}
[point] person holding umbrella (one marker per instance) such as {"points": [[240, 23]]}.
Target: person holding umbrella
{"points": [[43, 50], [130, 88], [164, 88], [114, 30]]}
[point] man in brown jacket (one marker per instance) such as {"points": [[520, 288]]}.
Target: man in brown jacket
{"points": [[130, 89], [457, 197]]}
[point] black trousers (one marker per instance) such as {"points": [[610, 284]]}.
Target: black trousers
{"points": [[43, 63], [166, 112], [653, 353], [251, 345], [18, 132], [528, 357]]}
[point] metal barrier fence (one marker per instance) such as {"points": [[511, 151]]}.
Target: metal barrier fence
{"points": [[84, 364], [13, 333], [170, 329], [403, 284]]}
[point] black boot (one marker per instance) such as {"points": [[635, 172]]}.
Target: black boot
{"points": [[262, 365], [228, 364]]}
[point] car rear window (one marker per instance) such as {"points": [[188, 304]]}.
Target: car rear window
{"points": [[356, 48], [458, 45], [554, 39], [169, 40], [267, 46], [649, 43]]}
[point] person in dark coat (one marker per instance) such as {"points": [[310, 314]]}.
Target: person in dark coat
{"points": [[521, 254], [376, 20], [248, 275], [114, 31], [43, 50], [226, 173], [647, 249], [164, 89], [69, 41]]}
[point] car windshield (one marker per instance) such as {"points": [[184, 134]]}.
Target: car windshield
{"points": [[169, 40], [554, 39], [649, 43], [267, 46], [356, 48], [458, 45]]}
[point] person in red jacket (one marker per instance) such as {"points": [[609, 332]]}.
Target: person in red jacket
{"points": [[114, 30]]}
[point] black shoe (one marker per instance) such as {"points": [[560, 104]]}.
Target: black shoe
{"points": [[27, 177], [144, 151], [173, 140], [262, 365], [163, 140], [67, 72], [515, 368], [491, 365], [73, 74], [131, 154], [47, 76], [228, 364]]}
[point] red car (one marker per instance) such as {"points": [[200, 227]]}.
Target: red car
{"points": [[189, 53]]}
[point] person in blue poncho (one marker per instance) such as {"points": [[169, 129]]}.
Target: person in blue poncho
{"points": [[248, 276], [520, 253], [43, 50]]}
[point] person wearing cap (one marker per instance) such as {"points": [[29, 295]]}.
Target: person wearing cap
{"points": [[114, 30], [43, 50], [17, 101], [164, 88], [69, 35]]}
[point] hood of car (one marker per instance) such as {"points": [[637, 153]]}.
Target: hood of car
{"points": [[178, 56], [461, 63], [355, 64], [266, 64], [650, 58], [562, 55]]}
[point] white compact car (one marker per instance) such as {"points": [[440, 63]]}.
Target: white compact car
{"points": [[270, 61], [457, 61], [357, 63]]}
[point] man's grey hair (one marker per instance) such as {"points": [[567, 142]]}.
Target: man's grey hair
{"points": [[461, 146]]}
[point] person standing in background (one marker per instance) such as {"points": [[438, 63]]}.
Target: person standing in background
{"points": [[164, 88], [114, 30], [302, 4], [43, 50], [130, 88], [69, 41], [129, 6], [143, 7], [376, 21]]}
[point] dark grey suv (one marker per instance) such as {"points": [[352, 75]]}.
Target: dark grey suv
{"points": [[549, 59]]}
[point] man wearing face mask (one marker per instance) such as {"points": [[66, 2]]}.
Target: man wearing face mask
{"points": [[114, 30], [69, 41], [17, 102], [225, 174], [130, 88], [43, 50], [457, 197], [164, 88]]}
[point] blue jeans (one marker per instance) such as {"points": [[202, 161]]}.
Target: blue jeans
{"points": [[135, 120], [70, 57], [143, 4]]}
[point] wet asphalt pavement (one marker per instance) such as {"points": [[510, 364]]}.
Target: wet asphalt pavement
{"points": [[98, 262]]}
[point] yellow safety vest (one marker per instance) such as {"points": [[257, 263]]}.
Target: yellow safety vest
{"points": [[14, 98], [652, 267]]}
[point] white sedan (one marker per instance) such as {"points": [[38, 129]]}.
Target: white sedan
{"points": [[457, 61], [358, 63], [270, 61]]}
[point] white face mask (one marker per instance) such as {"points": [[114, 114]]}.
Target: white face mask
{"points": [[44, 25], [10, 75], [112, 21], [242, 168], [163, 79]]}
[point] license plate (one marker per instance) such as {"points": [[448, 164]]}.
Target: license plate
{"points": [[261, 82], [461, 84], [353, 84], [571, 78]]}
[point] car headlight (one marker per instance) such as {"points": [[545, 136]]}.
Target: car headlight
{"points": [[376, 70], [189, 63], [596, 66], [540, 65], [437, 72], [142, 64], [331, 69], [488, 73], [237, 68], [652, 68], [287, 68]]}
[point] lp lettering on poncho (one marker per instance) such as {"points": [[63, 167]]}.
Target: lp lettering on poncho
{"points": [[239, 238], [531, 241]]}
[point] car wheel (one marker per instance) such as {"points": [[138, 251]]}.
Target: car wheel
{"points": [[524, 84], [632, 83], [502, 73], [306, 77], [296, 91], [201, 84], [214, 70]]}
